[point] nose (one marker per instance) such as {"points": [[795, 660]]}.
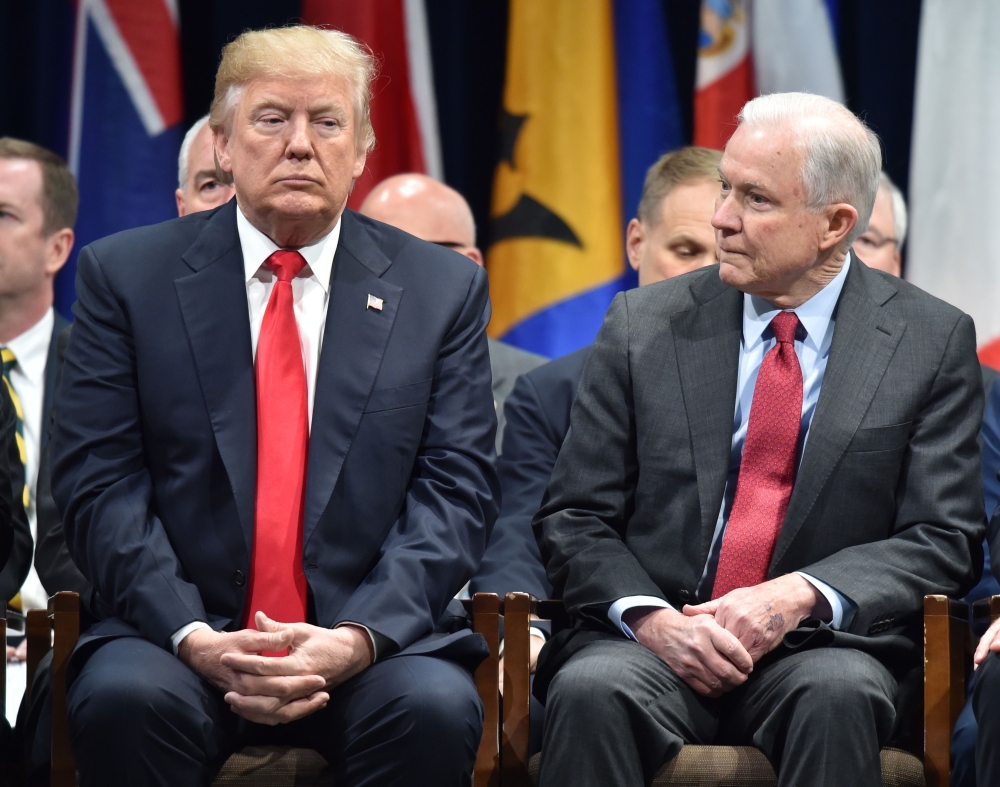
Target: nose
{"points": [[726, 217], [299, 144]]}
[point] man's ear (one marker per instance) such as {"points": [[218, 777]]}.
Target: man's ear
{"points": [[359, 166], [179, 198], [223, 160], [841, 218], [635, 240], [59, 245]]}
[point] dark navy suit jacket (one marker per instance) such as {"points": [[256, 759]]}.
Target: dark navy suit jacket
{"points": [[537, 413], [154, 444]]}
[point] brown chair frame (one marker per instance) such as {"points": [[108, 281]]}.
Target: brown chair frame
{"points": [[59, 629], [947, 647]]}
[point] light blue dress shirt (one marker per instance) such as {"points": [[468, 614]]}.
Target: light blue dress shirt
{"points": [[812, 346]]}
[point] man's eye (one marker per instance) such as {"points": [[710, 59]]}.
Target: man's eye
{"points": [[212, 184], [757, 199]]}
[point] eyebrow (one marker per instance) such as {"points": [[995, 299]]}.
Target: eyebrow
{"points": [[276, 102], [753, 184]]}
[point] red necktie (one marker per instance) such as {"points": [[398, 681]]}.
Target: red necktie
{"points": [[277, 582], [767, 472]]}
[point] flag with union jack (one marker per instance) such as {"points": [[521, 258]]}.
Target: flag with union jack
{"points": [[126, 119]]}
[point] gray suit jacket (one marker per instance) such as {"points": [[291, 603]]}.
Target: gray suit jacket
{"points": [[887, 505], [507, 364]]}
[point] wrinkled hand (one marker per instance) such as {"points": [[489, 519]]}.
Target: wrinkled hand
{"points": [[535, 645], [704, 655], [990, 643], [275, 690], [760, 616], [20, 653]]}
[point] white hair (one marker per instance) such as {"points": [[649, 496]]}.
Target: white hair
{"points": [[899, 216], [841, 156], [185, 154]]}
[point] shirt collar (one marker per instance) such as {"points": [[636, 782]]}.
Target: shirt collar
{"points": [[257, 247], [31, 348], [815, 315]]}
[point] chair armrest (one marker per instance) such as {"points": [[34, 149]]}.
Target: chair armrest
{"points": [[486, 609], [986, 608], [38, 633], [947, 639]]}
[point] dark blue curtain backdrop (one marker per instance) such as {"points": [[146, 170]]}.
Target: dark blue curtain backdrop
{"points": [[877, 41]]}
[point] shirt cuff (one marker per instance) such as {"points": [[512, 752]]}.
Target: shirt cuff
{"points": [[837, 602], [623, 605], [368, 631], [178, 636], [540, 633]]}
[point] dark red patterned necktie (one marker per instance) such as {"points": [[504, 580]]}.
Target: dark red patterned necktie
{"points": [[277, 582], [767, 472]]}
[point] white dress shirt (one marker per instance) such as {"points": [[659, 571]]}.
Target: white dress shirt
{"points": [[31, 349], [812, 346], [310, 296]]}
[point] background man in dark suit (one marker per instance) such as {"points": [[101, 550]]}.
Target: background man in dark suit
{"points": [[38, 203], [770, 463], [672, 234], [434, 212], [336, 503]]}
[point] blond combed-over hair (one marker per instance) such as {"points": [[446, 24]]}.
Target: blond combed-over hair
{"points": [[296, 50]]}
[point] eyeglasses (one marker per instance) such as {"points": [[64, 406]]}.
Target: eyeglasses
{"points": [[874, 240]]}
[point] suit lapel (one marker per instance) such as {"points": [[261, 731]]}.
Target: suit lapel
{"points": [[213, 302], [707, 343], [59, 324], [354, 343], [864, 341]]}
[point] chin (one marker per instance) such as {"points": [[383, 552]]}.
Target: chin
{"points": [[731, 275]]}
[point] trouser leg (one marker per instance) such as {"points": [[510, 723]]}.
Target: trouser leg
{"points": [[413, 721], [139, 716], [615, 712], [821, 717], [986, 705], [963, 748]]}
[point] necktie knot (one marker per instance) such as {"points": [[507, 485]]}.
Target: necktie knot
{"points": [[286, 264], [784, 326], [9, 360]]}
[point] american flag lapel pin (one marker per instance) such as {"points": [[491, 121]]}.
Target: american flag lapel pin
{"points": [[374, 303]]}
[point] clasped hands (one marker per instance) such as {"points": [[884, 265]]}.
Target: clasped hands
{"points": [[713, 646], [277, 690]]}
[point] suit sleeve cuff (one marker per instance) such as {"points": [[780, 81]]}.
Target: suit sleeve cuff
{"points": [[623, 605], [178, 636], [838, 603], [368, 631]]}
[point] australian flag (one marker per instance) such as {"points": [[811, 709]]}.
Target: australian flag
{"points": [[126, 120]]}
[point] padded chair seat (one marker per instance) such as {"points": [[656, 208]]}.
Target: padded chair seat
{"points": [[275, 766], [745, 766]]}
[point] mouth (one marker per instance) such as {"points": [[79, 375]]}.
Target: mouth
{"points": [[297, 179]]}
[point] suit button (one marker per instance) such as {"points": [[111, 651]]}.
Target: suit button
{"points": [[239, 578]]}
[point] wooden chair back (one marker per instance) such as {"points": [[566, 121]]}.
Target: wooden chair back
{"points": [[947, 640], [58, 629]]}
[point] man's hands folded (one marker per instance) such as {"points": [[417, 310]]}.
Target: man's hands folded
{"points": [[713, 646], [276, 690]]}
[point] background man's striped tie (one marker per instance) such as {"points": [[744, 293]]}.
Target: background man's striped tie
{"points": [[9, 362]]}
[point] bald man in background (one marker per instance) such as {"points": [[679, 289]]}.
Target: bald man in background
{"points": [[434, 212], [198, 185]]}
